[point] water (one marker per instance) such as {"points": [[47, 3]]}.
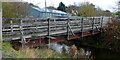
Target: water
{"points": [[56, 47], [86, 52], [59, 48], [101, 52]]}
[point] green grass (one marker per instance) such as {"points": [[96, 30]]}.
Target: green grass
{"points": [[9, 52]]}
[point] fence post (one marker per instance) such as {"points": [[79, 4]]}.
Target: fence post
{"points": [[36, 27], [55, 24], [101, 24], [21, 31], [48, 30], [11, 25], [81, 27], [68, 21], [92, 25]]}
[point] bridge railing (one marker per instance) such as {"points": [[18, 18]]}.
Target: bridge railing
{"points": [[22, 28]]}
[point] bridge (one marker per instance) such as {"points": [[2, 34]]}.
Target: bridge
{"points": [[35, 31]]}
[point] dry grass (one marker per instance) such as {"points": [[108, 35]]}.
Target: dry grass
{"points": [[30, 53], [49, 53], [44, 52], [112, 35]]}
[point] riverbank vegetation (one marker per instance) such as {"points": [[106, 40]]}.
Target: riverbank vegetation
{"points": [[40, 52], [108, 39], [112, 35]]}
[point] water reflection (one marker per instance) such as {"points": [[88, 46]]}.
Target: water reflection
{"points": [[56, 47], [72, 50], [84, 52]]}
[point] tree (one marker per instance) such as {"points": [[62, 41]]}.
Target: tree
{"points": [[8, 10], [14, 9], [87, 9], [61, 7], [118, 9], [51, 7], [107, 13], [98, 11], [73, 9]]}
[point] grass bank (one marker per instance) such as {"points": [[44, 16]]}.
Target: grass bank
{"points": [[40, 52]]}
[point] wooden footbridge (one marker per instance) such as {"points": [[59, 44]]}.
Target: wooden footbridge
{"points": [[35, 31]]}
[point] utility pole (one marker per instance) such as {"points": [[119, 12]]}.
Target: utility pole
{"points": [[45, 9], [48, 20]]}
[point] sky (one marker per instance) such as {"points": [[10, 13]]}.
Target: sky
{"points": [[103, 4]]}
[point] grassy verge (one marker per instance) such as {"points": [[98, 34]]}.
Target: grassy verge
{"points": [[9, 52], [40, 52]]}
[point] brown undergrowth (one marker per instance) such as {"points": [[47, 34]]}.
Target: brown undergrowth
{"points": [[112, 35]]}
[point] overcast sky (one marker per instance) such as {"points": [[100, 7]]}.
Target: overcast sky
{"points": [[104, 4]]}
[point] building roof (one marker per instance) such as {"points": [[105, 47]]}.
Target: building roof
{"points": [[48, 10]]}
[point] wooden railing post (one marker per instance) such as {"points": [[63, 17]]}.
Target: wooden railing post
{"points": [[81, 31], [92, 25], [48, 30], [101, 24], [11, 25], [36, 27], [22, 34], [68, 21], [55, 24]]}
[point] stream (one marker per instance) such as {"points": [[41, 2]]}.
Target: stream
{"points": [[86, 52]]}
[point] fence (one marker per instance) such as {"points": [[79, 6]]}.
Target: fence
{"points": [[23, 28]]}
